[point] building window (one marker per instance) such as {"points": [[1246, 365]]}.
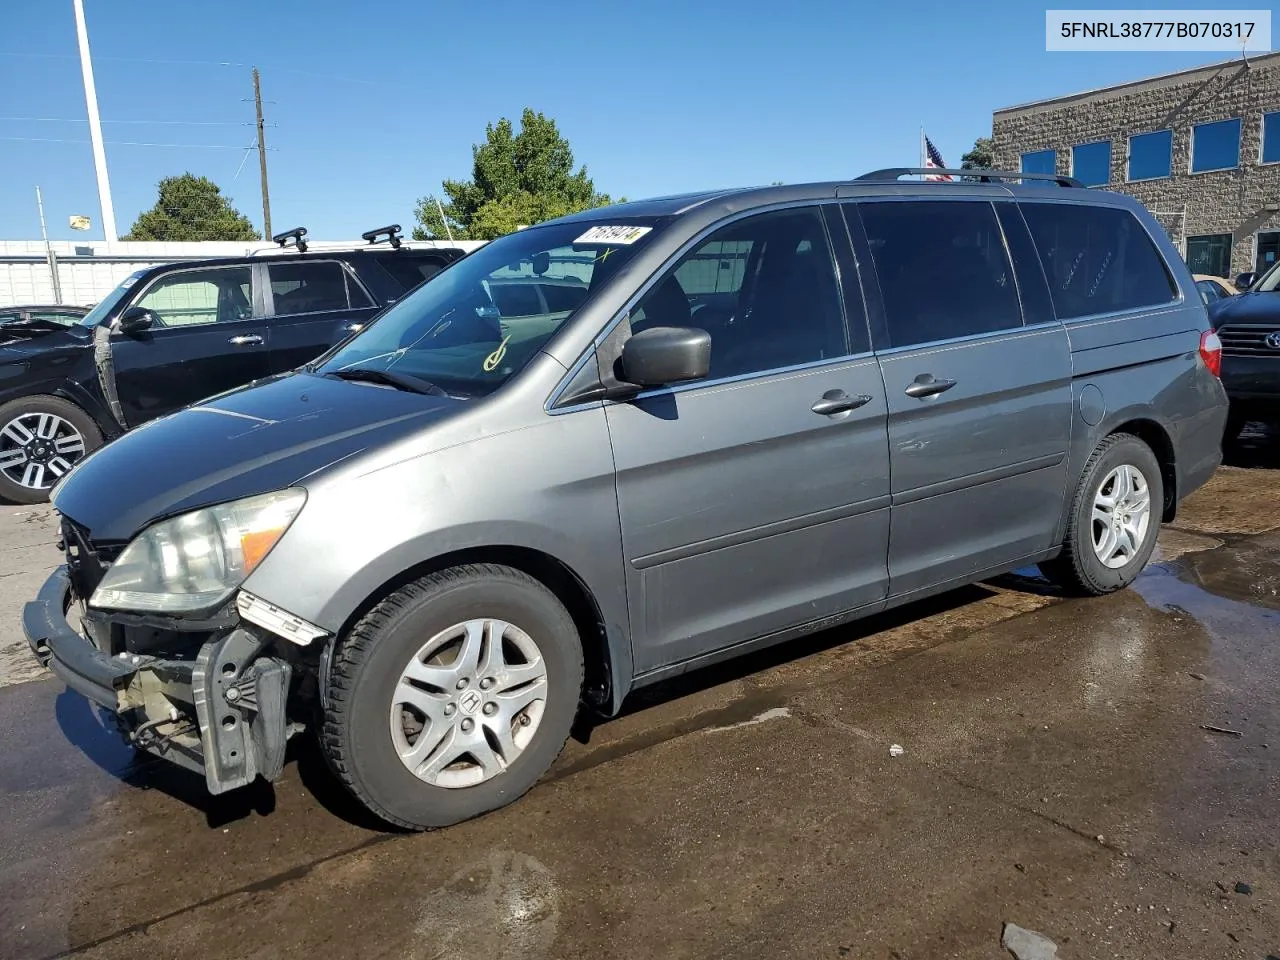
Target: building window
{"points": [[1215, 146], [1271, 138], [1040, 161], [1091, 163], [1151, 155], [1210, 255]]}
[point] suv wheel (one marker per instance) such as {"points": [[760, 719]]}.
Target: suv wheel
{"points": [[1114, 521], [41, 439], [453, 695]]}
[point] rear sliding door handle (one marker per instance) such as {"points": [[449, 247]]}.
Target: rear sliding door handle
{"points": [[837, 401], [927, 385], [245, 340]]}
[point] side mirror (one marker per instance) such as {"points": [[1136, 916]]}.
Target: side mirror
{"points": [[1245, 280], [664, 355], [135, 320]]}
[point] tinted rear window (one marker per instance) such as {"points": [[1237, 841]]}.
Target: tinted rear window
{"points": [[943, 269], [1097, 259], [411, 271]]}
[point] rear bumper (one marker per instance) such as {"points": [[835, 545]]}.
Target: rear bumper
{"points": [[221, 712]]}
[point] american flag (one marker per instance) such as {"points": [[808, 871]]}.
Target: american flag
{"points": [[933, 159]]}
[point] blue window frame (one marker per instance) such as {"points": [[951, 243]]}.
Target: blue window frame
{"points": [[1151, 155], [1091, 163], [1040, 161], [1271, 138], [1215, 146]]}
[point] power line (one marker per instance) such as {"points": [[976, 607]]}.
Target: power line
{"points": [[192, 123], [132, 143], [193, 63]]}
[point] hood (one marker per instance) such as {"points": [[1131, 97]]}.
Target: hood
{"points": [[253, 440], [19, 339], [1247, 308]]}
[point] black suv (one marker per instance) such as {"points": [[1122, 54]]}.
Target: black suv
{"points": [[1249, 327], [171, 335]]}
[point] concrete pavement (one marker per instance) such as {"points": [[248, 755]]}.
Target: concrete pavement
{"points": [[1055, 775]]}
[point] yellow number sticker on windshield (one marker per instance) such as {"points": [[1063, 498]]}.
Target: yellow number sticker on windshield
{"points": [[492, 360]]}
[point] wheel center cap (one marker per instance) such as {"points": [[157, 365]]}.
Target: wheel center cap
{"points": [[469, 703]]}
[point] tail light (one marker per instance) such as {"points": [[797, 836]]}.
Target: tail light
{"points": [[1211, 352]]}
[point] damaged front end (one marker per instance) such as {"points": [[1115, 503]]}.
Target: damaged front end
{"points": [[218, 694]]}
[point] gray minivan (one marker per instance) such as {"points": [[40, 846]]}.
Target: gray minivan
{"points": [[774, 410]]}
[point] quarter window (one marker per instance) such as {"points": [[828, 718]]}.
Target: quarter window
{"points": [[1271, 138], [191, 297], [313, 286], [1097, 259], [764, 288], [1215, 146], [1091, 163], [1151, 155], [1040, 161], [943, 270]]}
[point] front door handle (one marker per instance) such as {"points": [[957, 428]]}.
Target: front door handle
{"points": [[927, 385], [837, 401], [244, 340]]}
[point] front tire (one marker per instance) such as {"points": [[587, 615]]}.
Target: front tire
{"points": [[41, 439], [452, 696], [1114, 519]]}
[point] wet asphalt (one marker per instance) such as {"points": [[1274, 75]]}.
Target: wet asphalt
{"points": [[1055, 773]]}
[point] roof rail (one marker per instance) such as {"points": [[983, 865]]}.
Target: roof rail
{"points": [[391, 233], [977, 173], [296, 235]]}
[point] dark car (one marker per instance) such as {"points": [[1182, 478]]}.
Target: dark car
{"points": [[775, 410], [171, 335], [1248, 325]]}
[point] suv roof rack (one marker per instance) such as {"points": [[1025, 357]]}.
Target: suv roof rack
{"points": [[391, 233], [977, 173], [296, 235]]}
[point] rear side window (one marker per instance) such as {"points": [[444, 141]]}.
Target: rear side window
{"points": [[411, 271], [313, 286], [1097, 259], [943, 270]]}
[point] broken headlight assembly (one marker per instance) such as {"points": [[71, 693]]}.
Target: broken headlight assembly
{"points": [[195, 561]]}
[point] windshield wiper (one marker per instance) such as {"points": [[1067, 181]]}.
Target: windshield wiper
{"points": [[401, 381]]}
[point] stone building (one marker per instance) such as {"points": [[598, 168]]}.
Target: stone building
{"points": [[1200, 148]]}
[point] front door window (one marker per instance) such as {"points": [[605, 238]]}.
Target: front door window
{"points": [[193, 297]]}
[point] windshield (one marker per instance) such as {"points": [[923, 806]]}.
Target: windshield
{"points": [[1269, 280], [474, 326], [107, 303]]}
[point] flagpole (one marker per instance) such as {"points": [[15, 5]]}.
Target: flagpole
{"points": [[922, 145]]}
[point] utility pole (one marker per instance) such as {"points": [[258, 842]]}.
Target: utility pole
{"points": [[48, 250], [95, 128], [262, 155]]}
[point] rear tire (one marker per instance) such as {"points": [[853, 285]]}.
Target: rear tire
{"points": [[41, 439], [1107, 545], [430, 719]]}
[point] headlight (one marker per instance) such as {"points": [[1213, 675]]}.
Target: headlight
{"points": [[195, 561]]}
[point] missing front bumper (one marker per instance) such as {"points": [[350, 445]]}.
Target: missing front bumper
{"points": [[222, 714]]}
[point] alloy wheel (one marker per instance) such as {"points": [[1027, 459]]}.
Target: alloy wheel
{"points": [[36, 449]]}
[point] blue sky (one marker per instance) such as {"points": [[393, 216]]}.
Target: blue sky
{"points": [[374, 104]]}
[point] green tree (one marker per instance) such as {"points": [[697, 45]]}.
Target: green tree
{"points": [[517, 179], [983, 155], [191, 208]]}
